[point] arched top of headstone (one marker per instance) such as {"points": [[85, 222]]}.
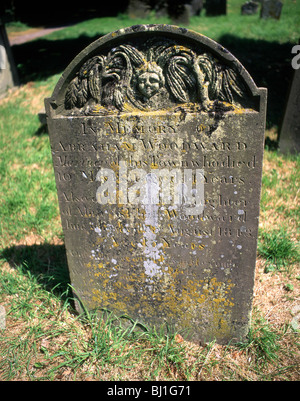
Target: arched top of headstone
{"points": [[148, 68]]}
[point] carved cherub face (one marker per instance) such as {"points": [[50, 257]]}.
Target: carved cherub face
{"points": [[148, 84], [149, 80]]}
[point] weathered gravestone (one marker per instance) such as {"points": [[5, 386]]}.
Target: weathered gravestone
{"points": [[8, 72], [289, 141], [138, 8], [271, 9], [179, 12], [168, 8], [249, 8], [157, 140]]}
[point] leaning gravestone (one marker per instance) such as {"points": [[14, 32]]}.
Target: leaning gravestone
{"points": [[157, 139], [289, 141]]}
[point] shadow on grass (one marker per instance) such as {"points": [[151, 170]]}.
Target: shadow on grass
{"points": [[60, 13], [46, 262], [269, 63], [41, 58]]}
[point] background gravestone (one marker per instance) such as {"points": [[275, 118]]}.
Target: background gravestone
{"points": [[157, 138], [249, 8], [179, 11], [271, 9], [8, 73], [161, 8], [138, 8], [289, 140]]}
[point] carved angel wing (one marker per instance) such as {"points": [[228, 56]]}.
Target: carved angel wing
{"points": [[223, 82], [193, 78], [177, 63], [118, 72], [86, 84]]}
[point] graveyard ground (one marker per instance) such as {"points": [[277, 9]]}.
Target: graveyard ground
{"points": [[44, 339]]}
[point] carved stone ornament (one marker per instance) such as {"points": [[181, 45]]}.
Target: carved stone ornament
{"points": [[154, 74]]}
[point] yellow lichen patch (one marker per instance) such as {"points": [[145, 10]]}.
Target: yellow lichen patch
{"points": [[168, 296]]}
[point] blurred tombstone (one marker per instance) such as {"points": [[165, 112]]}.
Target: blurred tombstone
{"points": [[249, 8], [271, 9], [289, 141], [215, 7], [138, 8], [196, 7], [161, 8], [8, 72], [179, 12]]}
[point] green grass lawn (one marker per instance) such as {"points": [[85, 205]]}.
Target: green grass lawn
{"points": [[44, 338]]}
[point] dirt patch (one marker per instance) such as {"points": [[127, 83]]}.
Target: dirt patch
{"points": [[272, 297]]}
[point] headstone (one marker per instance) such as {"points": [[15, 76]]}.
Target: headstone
{"points": [[196, 7], [179, 12], [271, 9], [249, 8], [161, 8], [138, 8], [289, 140], [157, 138], [8, 73], [188, 7], [216, 7]]}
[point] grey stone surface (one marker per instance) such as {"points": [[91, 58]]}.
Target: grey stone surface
{"points": [[289, 141], [179, 12], [249, 8], [157, 140], [8, 73], [271, 9], [138, 8], [178, 9]]}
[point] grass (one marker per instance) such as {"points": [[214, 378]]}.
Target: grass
{"points": [[45, 339], [278, 250]]}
